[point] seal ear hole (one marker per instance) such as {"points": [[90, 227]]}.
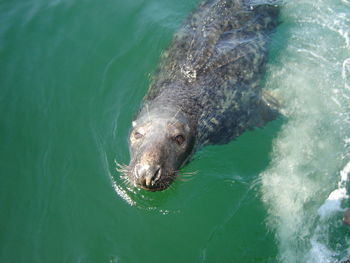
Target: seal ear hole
{"points": [[180, 139]]}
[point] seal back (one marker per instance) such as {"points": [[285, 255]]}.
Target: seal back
{"points": [[213, 68]]}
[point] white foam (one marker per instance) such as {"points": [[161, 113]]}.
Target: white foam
{"points": [[333, 202], [320, 252], [347, 2], [122, 193], [304, 186]]}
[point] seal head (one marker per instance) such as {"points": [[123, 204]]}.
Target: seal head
{"points": [[159, 145]]}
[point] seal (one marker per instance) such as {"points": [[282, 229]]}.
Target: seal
{"points": [[206, 90]]}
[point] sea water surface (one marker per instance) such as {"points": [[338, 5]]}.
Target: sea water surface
{"points": [[73, 74]]}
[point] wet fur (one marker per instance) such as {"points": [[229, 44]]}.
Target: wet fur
{"points": [[213, 67], [209, 77]]}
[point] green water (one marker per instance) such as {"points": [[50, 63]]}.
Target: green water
{"points": [[72, 74]]}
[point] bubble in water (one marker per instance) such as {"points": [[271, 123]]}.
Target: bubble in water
{"points": [[346, 72]]}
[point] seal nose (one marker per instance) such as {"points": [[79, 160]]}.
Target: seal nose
{"points": [[148, 176]]}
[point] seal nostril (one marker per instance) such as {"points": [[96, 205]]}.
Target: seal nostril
{"points": [[156, 175]]}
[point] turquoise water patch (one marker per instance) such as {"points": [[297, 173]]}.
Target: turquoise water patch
{"points": [[73, 73]]}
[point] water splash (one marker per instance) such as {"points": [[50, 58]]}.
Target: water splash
{"points": [[320, 241], [301, 188]]}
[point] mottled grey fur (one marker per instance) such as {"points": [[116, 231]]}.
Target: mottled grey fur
{"points": [[209, 76]]}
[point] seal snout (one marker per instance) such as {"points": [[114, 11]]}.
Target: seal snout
{"points": [[148, 176]]}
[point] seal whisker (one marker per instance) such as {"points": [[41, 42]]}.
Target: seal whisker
{"points": [[182, 179], [186, 176], [126, 180], [170, 186], [122, 168]]}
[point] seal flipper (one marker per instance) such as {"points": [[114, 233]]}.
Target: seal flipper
{"points": [[267, 109]]}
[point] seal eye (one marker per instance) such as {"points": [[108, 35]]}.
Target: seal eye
{"points": [[180, 139], [137, 135]]}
